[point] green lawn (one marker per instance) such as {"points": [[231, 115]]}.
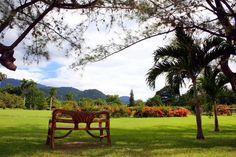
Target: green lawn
{"points": [[23, 134]]}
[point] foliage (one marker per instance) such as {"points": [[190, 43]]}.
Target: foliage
{"points": [[131, 98], [139, 102], [39, 27], [2, 76], [154, 101], [113, 99], [211, 85], [160, 111], [99, 101], [10, 100], [69, 105], [168, 94], [35, 99], [12, 90], [69, 96], [184, 59], [227, 96]]}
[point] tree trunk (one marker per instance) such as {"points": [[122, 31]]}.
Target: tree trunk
{"points": [[51, 99], [228, 72], [24, 102], [200, 135], [216, 119]]}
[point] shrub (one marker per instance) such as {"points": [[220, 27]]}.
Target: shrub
{"points": [[161, 111], [223, 110]]}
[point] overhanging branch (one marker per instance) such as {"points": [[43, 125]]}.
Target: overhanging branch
{"points": [[134, 43]]}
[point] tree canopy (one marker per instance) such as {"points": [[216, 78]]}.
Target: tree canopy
{"points": [[201, 18], [43, 22]]}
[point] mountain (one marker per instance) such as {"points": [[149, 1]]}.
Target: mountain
{"points": [[61, 91], [10, 81], [93, 94], [124, 99]]}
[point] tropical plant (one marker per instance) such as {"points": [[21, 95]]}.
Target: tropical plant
{"points": [[184, 59], [212, 84]]}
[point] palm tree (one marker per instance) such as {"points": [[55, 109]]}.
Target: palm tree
{"points": [[213, 83], [183, 58], [52, 93]]}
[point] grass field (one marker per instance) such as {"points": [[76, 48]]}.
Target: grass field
{"points": [[23, 134]]}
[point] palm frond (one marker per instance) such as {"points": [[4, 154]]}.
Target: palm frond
{"points": [[212, 42], [157, 70]]}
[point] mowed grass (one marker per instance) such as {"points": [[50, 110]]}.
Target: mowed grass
{"points": [[23, 133]]}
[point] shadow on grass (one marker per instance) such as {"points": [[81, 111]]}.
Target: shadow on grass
{"points": [[30, 140]]}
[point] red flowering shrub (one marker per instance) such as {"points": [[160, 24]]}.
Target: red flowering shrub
{"points": [[161, 112], [223, 110], [152, 112], [137, 111], [171, 113], [181, 112]]}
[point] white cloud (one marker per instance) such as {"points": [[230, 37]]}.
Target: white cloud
{"points": [[117, 74]]}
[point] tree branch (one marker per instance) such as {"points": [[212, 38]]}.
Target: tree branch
{"points": [[72, 5], [22, 36], [136, 42], [13, 13]]}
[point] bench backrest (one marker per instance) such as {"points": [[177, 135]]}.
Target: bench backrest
{"points": [[73, 116]]}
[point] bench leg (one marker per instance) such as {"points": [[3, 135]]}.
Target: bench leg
{"points": [[52, 134], [49, 130], [108, 136], [101, 131]]}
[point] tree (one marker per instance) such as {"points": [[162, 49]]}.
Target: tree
{"points": [[154, 101], [113, 99], [52, 93], [139, 102], [2, 76], [184, 58], [25, 87], [43, 22], [10, 100], [35, 99], [213, 83], [131, 98], [169, 94], [69, 96]]}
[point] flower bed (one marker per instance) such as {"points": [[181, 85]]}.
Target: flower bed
{"points": [[223, 110], [161, 112]]}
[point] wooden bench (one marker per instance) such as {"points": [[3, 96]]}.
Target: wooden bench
{"points": [[78, 120]]}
